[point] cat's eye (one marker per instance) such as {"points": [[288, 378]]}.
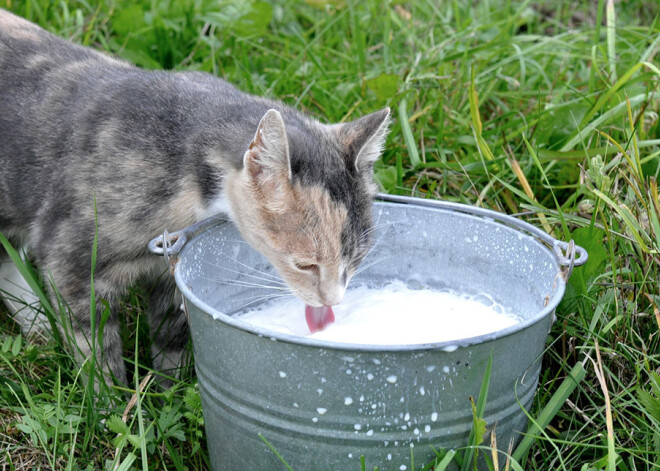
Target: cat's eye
{"points": [[306, 266]]}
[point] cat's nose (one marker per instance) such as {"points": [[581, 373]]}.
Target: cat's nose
{"points": [[333, 295]]}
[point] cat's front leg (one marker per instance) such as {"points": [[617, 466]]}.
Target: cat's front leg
{"points": [[169, 329], [108, 345], [75, 290]]}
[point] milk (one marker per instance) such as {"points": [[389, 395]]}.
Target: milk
{"points": [[391, 315]]}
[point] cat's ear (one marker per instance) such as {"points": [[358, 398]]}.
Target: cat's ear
{"points": [[266, 161], [365, 138]]}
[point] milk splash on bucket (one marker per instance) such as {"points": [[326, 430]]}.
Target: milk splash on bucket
{"points": [[391, 315]]}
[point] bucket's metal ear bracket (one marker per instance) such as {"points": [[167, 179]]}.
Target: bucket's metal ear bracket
{"points": [[565, 253], [566, 257], [169, 245]]}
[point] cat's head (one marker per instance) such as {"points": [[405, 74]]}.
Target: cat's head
{"points": [[304, 196]]}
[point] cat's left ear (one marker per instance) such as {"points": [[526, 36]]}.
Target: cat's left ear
{"points": [[266, 162], [268, 153], [365, 138]]}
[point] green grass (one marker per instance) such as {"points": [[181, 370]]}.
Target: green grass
{"points": [[545, 109]]}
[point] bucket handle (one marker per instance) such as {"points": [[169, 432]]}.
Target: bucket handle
{"points": [[170, 244], [564, 252]]}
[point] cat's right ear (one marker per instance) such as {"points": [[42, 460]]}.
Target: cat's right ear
{"points": [[266, 161], [365, 138]]}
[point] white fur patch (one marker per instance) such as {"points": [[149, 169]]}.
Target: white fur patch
{"points": [[219, 205]]}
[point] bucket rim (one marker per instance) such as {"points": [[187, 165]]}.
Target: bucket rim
{"points": [[447, 346]]}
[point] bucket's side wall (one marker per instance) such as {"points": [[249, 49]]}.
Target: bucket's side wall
{"points": [[322, 409]]}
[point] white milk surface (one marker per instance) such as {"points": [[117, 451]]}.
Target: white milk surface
{"points": [[392, 315]]}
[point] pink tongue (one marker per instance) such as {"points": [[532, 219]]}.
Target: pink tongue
{"points": [[318, 318]]}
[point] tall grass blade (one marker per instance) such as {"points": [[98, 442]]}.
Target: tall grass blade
{"points": [[474, 105], [600, 374], [408, 135], [565, 389], [479, 424], [594, 68], [127, 463], [584, 130], [92, 383], [272, 448], [477, 125], [445, 461], [528, 190], [628, 218], [614, 88], [611, 39]]}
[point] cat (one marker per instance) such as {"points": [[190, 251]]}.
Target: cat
{"points": [[89, 143]]}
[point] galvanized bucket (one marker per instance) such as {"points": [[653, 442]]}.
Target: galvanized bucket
{"points": [[323, 406]]}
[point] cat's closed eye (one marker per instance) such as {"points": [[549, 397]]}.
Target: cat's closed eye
{"points": [[306, 266]]}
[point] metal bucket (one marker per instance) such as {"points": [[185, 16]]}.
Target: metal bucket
{"points": [[322, 406]]}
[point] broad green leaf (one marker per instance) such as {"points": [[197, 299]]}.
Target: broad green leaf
{"points": [[7, 345], [16, 347], [242, 18], [25, 428], [479, 425], [387, 178], [178, 434], [117, 425], [385, 86], [128, 20], [256, 21], [651, 401], [592, 240], [135, 440], [192, 399]]}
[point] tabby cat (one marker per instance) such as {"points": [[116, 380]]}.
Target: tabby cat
{"points": [[84, 135]]}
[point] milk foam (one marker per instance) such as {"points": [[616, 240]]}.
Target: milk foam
{"points": [[391, 315]]}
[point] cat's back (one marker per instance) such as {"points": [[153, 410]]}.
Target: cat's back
{"points": [[37, 66], [27, 48], [47, 83]]}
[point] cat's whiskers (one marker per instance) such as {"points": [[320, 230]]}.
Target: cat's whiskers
{"points": [[236, 241], [267, 297], [265, 277], [364, 267], [377, 241], [268, 275], [263, 299], [367, 232], [243, 283], [253, 279]]}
